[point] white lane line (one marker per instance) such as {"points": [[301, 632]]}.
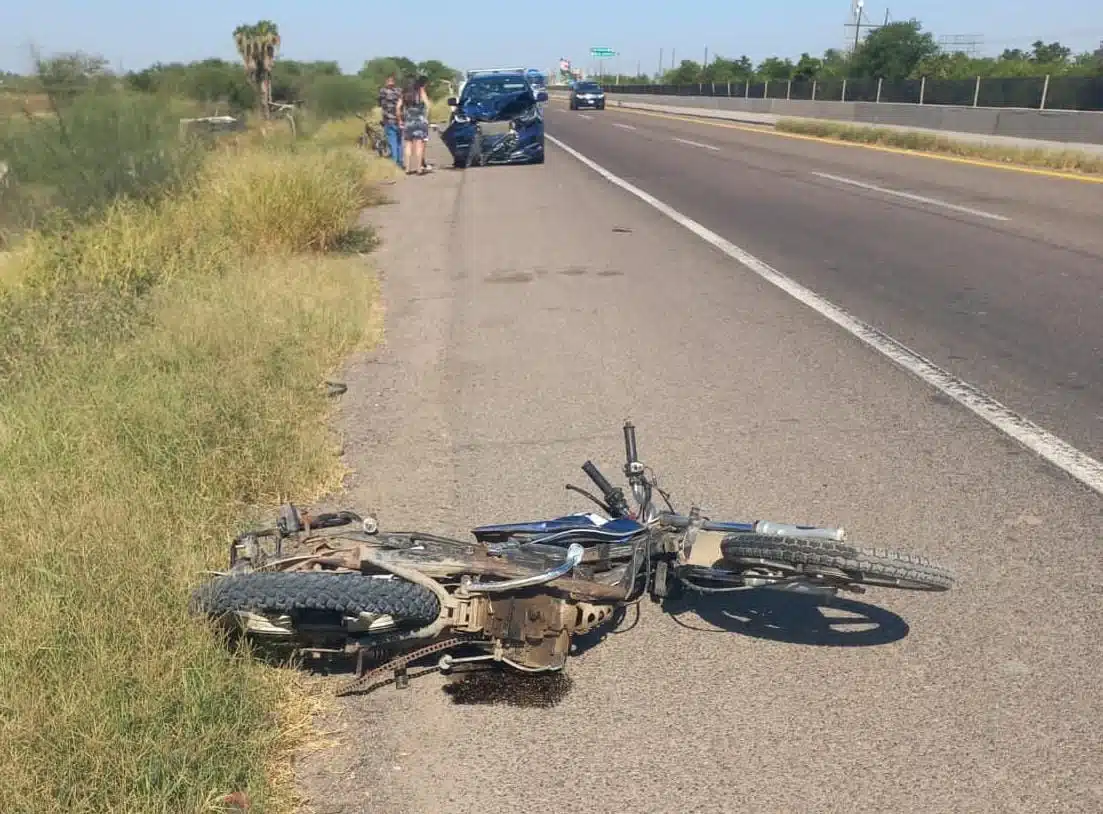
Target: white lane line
{"points": [[584, 116], [696, 143], [625, 126], [1084, 468], [980, 213]]}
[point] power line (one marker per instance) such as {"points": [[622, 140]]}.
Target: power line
{"points": [[857, 11], [968, 44]]}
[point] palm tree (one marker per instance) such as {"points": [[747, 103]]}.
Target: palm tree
{"points": [[257, 46]]}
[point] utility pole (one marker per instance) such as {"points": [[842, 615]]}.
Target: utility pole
{"points": [[706, 62], [858, 25], [660, 63], [672, 59]]}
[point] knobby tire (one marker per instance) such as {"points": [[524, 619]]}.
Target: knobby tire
{"points": [[350, 594], [875, 566]]}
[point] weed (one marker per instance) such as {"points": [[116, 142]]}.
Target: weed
{"points": [[161, 363], [88, 153], [1064, 160]]}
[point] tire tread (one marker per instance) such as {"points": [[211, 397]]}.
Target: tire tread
{"points": [[350, 594]]}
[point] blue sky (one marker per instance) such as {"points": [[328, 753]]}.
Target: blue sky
{"points": [[133, 34]]}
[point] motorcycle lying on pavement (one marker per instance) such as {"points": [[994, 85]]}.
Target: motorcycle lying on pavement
{"points": [[335, 584]]}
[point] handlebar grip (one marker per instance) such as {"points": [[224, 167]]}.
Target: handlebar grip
{"points": [[599, 479], [630, 453]]}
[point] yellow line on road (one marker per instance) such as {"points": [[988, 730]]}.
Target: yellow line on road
{"points": [[769, 131]]}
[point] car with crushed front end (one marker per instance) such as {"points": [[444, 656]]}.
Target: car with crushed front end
{"points": [[587, 94], [497, 119]]}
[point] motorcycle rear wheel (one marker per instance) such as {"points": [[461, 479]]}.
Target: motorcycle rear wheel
{"points": [[348, 593]]}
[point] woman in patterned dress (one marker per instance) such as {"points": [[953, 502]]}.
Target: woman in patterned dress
{"points": [[414, 112]]}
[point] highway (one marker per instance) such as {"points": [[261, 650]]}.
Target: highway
{"points": [[530, 310], [997, 276]]}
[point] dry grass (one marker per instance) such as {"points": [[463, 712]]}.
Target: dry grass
{"points": [[14, 103], [1063, 160], [245, 200], [345, 131], [162, 375], [342, 132]]}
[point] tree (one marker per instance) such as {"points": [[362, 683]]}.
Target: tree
{"points": [[686, 73], [893, 51], [1051, 54], [330, 96], [377, 70], [63, 76], [775, 69], [728, 70], [257, 46], [807, 68], [437, 73], [834, 65], [954, 65]]}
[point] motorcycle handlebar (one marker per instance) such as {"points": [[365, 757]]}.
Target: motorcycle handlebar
{"points": [[599, 480], [630, 453]]}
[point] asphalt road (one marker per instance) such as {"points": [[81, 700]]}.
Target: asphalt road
{"points": [[997, 276], [529, 311]]}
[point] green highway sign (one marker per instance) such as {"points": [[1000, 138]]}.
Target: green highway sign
{"points": [[602, 53]]}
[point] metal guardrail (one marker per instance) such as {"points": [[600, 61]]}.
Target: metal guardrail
{"points": [[1034, 92]]}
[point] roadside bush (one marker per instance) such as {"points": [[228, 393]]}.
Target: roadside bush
{"points": [[332, 97], [1064, 160], [89, 152], [213, 82], [439, 111]]}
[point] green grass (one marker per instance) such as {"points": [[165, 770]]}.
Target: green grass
{"points": [[1063, 160], [439, 112], [89, 151], [161, 371]]}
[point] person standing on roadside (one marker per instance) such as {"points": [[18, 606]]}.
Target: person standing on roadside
{"points": [[390, 97], [413, 111]]}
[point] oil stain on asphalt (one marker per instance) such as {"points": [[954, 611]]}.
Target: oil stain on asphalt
{"points": [[509, 687]]}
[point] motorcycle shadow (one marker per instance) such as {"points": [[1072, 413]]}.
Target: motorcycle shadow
{"points": [[766, 613], [760, 613]]}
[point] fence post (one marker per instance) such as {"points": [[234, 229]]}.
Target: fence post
{"points": [[922, 88], [747, 90], [788, 90], [976, 93], [1045, 92], [729, 88], [813, 90], [844, 91], [880, 79], [766, 89]]}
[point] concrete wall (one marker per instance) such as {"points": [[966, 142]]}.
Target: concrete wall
{"points": [[1084, 127]]}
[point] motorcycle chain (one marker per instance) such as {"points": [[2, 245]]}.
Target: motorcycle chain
{"points": [[373, 679]]}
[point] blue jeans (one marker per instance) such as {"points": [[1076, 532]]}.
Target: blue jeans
{"points": [[394, 138]]}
